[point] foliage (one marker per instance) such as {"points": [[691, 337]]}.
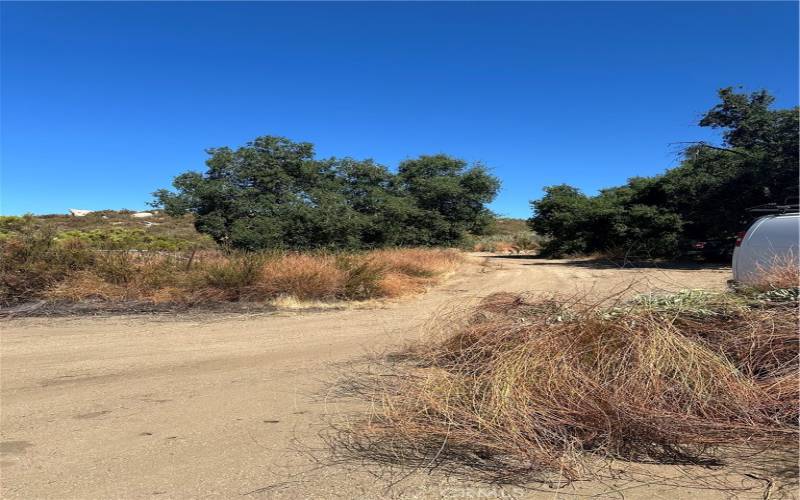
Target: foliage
{"points": [[235, 271], [273, 193], [125, 239], [507, 226], [705, 197], [363, 276]]}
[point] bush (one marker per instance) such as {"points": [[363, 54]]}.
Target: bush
{"points": [[303, 276], [117, 268], [126, 239], [234, 272], [525, 242], [32, 262]]}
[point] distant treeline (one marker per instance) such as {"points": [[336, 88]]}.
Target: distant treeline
{"points": [[273, 193], [704, 198]]}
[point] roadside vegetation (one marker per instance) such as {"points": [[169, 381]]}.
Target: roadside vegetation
{"points": [[539, 388], [265, 222], [504, 236], [40, 265], [704, 198]]}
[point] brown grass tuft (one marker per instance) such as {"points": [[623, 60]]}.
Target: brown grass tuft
{"points": [[409, 271], [305, 277], [783, 274], [396, 284], [418, 262], [88, 286]]}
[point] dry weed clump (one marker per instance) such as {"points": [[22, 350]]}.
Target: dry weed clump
{"points": [[418, 262], [524, 387], [782, 275], [87, 286], [409, 271], [303, 276]]}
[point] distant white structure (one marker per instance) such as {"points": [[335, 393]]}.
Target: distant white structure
{"points": [[141, 215], [79, 213]]}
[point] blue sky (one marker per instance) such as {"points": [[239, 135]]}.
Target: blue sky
{"points": [[102, 103]]}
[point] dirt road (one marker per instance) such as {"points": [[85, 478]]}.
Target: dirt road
{"points": [[229, 405]]}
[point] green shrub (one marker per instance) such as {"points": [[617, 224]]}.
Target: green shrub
{"points": [[525, 242], [164, 271], [14, 224]]}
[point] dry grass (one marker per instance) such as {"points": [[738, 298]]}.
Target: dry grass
{"points": [[44, 268], [524, 388], [304, 277], [782, 274], [87, 286]]}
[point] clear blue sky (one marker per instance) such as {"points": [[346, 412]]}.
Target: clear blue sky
{"points": [[102, 103]]}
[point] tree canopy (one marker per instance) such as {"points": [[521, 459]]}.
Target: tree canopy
{"points": [[705, 197], [274, 193]]}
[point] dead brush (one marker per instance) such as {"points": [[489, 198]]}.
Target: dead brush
{"points": [[67, 271], [302, 276], [125, 276], [523, 389], [418, 262], [408, 271], [780, 282]]}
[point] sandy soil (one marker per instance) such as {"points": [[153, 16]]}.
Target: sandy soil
{"points": [[212, 405]]}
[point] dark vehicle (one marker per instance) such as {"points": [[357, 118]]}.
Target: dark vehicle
{"points": [[712, 250]]}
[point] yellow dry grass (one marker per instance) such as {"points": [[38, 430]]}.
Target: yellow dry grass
{"points": [[302, 276]]}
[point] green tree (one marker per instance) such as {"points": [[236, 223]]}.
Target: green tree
{"points": [[609, 222], [273, 193], [705, 197], [450, 195], [758, 164]]}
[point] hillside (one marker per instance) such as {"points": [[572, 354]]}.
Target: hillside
{"points": [[508, 227], [113, 229], [119, 229]]}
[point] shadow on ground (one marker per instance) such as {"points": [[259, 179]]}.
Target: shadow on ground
{"points": [[536, 260]]}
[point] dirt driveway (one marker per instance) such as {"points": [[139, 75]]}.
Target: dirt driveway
{"points": [[231, 405]]}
